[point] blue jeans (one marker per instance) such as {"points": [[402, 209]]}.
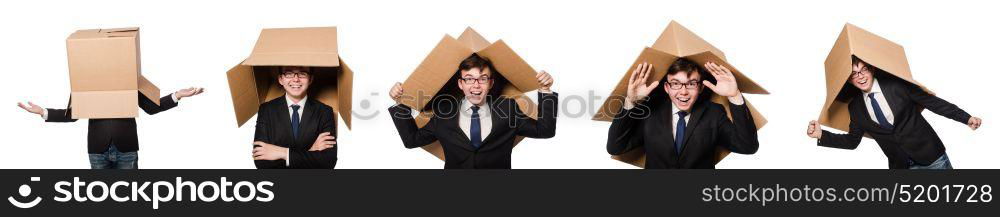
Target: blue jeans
{"points": [[942, 163], [113, 159]]}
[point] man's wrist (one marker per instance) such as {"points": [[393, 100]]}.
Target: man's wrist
{"points": [[737, 99]]}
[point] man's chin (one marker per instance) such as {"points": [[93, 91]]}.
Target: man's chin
{"points": [[296, 95], [476, 100], [682, 106]]}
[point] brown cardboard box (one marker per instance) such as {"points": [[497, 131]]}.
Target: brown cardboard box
{"points": [[439, 67], [105, 74], [254, 81], [871, 48], [677, 42]]}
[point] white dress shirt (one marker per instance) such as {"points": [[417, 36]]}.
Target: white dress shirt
{"points": [[882, 103], [676, 117], [465, 120], [302, 107]]}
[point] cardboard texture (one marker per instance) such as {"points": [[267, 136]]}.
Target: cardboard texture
{"points": [[439, 67], [105, 74], [871, 48], [254, 81], [677, 42]]}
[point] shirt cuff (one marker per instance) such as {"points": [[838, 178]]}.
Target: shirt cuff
{"points": [[45, 114], [174, 97], [287, 157]]}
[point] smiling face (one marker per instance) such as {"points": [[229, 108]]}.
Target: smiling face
{"points": [[475, 83], [861, 76], [683, 89], [295, 80]]}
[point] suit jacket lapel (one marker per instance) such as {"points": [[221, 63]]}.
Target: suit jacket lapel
{"points": [[664, 144], [307, 116], [453, 127], [889, 90], [696, 112], [866, 118], [284, 120], [496, 122]]}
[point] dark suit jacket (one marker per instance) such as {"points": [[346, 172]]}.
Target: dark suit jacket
{"points": [[494, 153], [274, 126], [101, 133], [911, 138], [708, 127]]}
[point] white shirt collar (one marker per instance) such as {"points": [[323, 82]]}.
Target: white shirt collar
{"points": [[875, 87], [302, 103], [675, 109], [467, 106]]}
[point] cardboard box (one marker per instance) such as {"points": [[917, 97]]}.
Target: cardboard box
{"points": [[437, 71], [871, 48], [677, 42], [105, 74], [254, 81]]}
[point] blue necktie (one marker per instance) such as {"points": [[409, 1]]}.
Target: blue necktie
{"points": [[679, 141], [295, 121], [475, 129], [882, 121]]}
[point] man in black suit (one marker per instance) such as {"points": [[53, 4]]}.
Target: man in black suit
{"points": [[687, 133], [888, 109], [112, 143], [295, 131], [479, 131]]}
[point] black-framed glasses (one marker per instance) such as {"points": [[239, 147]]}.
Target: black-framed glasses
{"points": [[480, 80], [291, 75], [676, 85], [864, 69]]}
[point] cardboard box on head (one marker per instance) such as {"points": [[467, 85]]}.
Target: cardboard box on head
{"points": [[105, 73], [254, 81], [677, 42], [440, 66], [874, 50]]}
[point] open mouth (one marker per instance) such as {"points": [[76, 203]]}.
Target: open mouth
{"points": [[476, 93], [862, 81], [683, 100], [295, 86]]}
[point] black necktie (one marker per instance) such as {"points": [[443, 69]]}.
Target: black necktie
{"points": [[295, 121], [475, 129], [679, 141]]}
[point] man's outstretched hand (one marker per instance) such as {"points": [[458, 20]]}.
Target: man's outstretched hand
{"points": [[192, 91], [31, 107]]}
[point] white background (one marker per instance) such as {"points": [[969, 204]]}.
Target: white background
{"points": [[586, 46]]}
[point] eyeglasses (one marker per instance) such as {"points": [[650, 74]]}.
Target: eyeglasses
{"points": [[295, 74], [675, 85], [858, 73], [480, 80]]}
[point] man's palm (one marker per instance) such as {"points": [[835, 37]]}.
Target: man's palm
{"points": [[725, 84], [31, 107]]}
